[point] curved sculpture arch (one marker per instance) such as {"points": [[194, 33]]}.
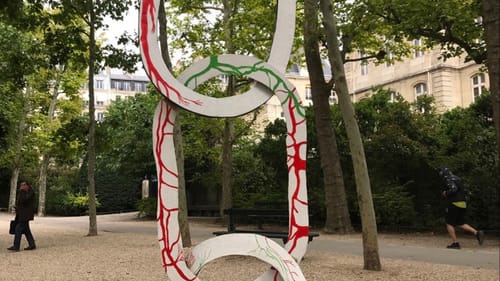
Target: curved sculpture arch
{"points": [[179, 91]]}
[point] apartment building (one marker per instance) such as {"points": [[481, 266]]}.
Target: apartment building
{"points": [[111, 85], [452, 83]]}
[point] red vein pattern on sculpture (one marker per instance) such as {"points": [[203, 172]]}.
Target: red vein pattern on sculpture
{"points": [[298, 165], [148, 22], [170, 239]]}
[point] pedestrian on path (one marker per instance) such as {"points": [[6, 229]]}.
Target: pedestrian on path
{"points": [[25, 212], [456, 197]]}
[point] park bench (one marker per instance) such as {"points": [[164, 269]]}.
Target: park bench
{"points": [[259, 217]]}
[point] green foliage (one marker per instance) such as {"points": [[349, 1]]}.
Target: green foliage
{"points": [[404, 147], [147, 208], [68, 204], [452, 24], [394, 207], [199, 29], [468, 147], [254, 180], [127, 130]]}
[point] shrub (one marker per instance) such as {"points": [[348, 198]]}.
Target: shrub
{"points": [[69, 204], [394, 207], [147, 208]]}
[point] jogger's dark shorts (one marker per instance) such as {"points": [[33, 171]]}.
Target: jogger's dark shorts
{"points": [[455, 215]]}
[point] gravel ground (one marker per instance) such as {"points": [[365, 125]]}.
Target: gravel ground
{"points": [[65, 253]]}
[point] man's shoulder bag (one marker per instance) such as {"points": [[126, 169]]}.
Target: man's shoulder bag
{"points": [[12, 228]]}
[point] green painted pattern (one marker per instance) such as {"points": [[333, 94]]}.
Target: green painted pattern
{"points": [[230, 69]]}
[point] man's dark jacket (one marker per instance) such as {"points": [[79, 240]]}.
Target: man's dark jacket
{"points": [[25, 205]]}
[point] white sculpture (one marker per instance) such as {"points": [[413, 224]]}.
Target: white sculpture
{"points": [[179, 91]]}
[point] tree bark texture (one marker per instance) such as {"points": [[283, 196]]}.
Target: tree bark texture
{"points": [[228, 138], [179, 152], [92, 124], [491, 20], [337, 212], [16, 167], [365, 201], [42, 181]]}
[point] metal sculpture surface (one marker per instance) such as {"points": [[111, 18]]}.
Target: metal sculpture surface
{"points": [[177, 264]]}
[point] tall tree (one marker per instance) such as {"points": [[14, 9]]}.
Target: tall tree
{"points": [[179, 152], [20, 61], [93, 14], [224, 26], [490, 10], [64, 74], [365, 201], [337, 213]]}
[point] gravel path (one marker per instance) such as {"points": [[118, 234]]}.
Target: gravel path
{"points": [[65, 253]]}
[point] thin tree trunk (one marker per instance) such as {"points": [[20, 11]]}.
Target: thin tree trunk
{"points": [[365, 201], [337, 212], [42, 184], [18, 155], [179, 152], [228, 138], [227, 166], [491, 19], [92, 124], [42, 181]]}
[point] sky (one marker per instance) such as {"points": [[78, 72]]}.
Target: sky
{"points": [[130, 25], [116, 28]]}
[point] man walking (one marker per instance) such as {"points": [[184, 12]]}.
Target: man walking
{"points": [[24, 214]]}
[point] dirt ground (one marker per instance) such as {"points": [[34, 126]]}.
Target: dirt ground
{"points": [[66, 253]]}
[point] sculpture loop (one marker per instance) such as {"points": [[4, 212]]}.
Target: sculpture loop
{"points": [[179, 91]]}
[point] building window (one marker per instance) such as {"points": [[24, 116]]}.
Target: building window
{"points": [[139, 87], [126, 86], [99, 84], [116, 84], [364, 67], [420, 89], [294, 68], [393, 96], [417, 43], [478, 85], [308, 93], [100, 116], [363, 64], [99, 103]]}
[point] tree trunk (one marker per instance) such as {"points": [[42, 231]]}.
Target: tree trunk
{"points": [[227, 166], [365, 201], [337, 212], [42, 182], [228, 138], [92, 124], [491, 20], [18, 155], [179, 152]]}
